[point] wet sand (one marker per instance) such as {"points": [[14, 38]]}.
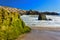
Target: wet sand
{"points": [[42, 33]]}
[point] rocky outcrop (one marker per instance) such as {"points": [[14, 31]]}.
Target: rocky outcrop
{"points": [[50, 13], [31, 12], [42, 17], [25, 12], [21, 12], [11, 25]]}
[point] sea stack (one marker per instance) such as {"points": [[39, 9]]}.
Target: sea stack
{"points": [[42, 17]]}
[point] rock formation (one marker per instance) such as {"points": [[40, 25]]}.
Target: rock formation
{"points": [[31, 12], [11, 25], [42, 17]]}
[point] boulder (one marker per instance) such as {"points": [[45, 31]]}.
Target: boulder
{"points": [[42, 17]]}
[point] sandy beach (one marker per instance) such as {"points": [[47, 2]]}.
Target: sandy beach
{"points": [[42, 33]]}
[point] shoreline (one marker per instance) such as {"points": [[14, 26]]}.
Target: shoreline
{"points": [[42, 33], [46, 28]]}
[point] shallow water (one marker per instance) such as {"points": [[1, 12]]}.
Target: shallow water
{"points": [[33, 20], [37, 34]]}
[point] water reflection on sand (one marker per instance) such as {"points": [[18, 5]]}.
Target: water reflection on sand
{"points": [[44, 34], [37, 34]]}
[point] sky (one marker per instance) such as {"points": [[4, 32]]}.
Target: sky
{"points": [[39, 5]]}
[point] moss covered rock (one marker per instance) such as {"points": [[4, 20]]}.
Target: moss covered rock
{"points": [[11, 25]]}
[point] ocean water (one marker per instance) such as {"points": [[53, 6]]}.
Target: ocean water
{"points": [[32, 20]]}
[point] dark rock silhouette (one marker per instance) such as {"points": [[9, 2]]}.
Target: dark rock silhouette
{"points": [[42, 17], [31, 12], [50, 13]]}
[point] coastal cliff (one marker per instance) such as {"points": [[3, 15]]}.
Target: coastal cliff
{"points": [[11, 25]]}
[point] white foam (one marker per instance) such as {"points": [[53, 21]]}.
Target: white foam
{"points": [[33, 21]]}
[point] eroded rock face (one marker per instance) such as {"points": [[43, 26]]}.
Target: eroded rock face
{"points": [[42, 17], [11, 25]]}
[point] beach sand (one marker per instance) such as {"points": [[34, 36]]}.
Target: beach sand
{"points": [[42, 33]]}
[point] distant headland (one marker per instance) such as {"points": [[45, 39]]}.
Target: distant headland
{"points": [[30, 12]]}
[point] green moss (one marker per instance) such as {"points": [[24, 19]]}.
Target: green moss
{"points": [[11, 25]]}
